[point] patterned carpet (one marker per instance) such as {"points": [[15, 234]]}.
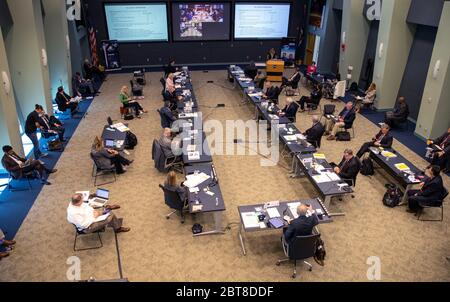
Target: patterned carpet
{"points": [[157, 249]]}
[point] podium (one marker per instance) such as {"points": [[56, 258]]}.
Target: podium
{"points": [[274, 70]]}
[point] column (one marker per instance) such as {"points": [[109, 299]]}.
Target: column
{"points": [[434, 114], [395, 38], [26, 49]]}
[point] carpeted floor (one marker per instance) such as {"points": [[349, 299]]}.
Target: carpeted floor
{"points": [[157, 249]]}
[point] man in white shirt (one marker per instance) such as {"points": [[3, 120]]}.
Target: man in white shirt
{"points": [[89, 220]]}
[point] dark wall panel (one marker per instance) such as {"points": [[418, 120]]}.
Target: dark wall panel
{"points": [[425, 12], [414, 78], [5, 15], [135, 54], [338, 4], [369, 56]]}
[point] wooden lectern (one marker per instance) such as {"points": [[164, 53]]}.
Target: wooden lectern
{"points": [[274, 70]]}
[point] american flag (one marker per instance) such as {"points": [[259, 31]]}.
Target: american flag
{"points": [[93, 45]]}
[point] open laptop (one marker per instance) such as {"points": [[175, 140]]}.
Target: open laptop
{"points": [[102, 197]]}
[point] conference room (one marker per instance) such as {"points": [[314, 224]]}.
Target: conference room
{"points": [[224, 141]]}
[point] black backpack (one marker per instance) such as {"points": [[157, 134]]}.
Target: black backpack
{"points": [[56, 145], [367, 167], [392, 196], [343, 136], [130, 140], [197, 228], [320, 254]]}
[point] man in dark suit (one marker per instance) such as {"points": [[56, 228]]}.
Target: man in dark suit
{"points": [[432, 190], [82, 87], [31, 126], [251, 70], [313, 100], [399, 114], [344, 121], [170, 68], [290, 110], [303, 225], [293, 80], [51, 125], [272, 92], [65, 101], [441, 153], [167, 117], [17, 165], [382, 139], [348, 168], [315, 133]]}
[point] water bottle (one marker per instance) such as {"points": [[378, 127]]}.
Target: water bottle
{"points": [[217, 201]]}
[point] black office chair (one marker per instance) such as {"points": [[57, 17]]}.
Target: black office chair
{"points": [[136, 89], [97, 171], [79, 233], [352, 181], [328, 109], [277, 96], [317, 143], [25, 176], [173, 200], [438, 204], [301, 248], [314, 104], [167, 163]]}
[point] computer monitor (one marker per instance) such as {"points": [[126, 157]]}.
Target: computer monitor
{"points": [[102, 193], [109, 143]]}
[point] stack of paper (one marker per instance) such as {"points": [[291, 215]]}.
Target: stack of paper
{"points": [[290, 138], [388, 154], [273, 212], [250, 220], [319, 156], [194, 155], [193, 180], [333, 176], [300, 136], [293, 208], [402, 167], [121, 127], [321, 178]]}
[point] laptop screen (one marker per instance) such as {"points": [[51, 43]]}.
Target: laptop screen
{"points": [[109, 143], [102, 193]]}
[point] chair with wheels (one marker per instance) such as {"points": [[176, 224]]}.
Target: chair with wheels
{"points": [[173, 200], [301, 248]]}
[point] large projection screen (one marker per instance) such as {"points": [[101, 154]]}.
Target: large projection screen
{"points": [[137, 22], [201, 21], [261, 20]]}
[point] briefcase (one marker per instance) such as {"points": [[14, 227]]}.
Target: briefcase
{"points": [[343, 136]]}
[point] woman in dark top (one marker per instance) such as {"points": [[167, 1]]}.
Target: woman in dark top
{"points": [[107, 158], [171, 184]]}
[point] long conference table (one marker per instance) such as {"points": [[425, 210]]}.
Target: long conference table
{"points": [[205, 197], [329, 184]]}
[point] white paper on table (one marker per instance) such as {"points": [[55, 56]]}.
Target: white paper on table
{"points": [[293, 208], [321, 178], [194, 155], [300, 136], [121, 127], [250, 220], [193, 180], [262, 225], [333, 176], [290, 138], [273, 212], [194, 189]]}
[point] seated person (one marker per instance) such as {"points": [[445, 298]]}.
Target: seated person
{"points": [[260, 80], [315, 133], [345, 120], [171, 146], [272, 92], [88, 220], [17, 165], [290, 110], [167, 117], [303, 225], [51, 125], [271, 55], [171, 184], [441, 154], [382, 139], [312, 68], [65, 101], [170, 85], [93, 73], [369, 98], [82, 87], [431, 191], [312, 101], [128, 102], [107, 158], [170, 68], [293, 80], [348, 168], [8, 244], [399, 114], [251, 71]]}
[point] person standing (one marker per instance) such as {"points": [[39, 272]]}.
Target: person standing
{"points": [[31, 126]]}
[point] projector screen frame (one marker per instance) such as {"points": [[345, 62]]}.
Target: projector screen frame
{"points": [[256, 3], [230, 26], [138, 3]]}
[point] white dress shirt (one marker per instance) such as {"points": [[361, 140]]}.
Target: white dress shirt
{"points": [[82, 216]]}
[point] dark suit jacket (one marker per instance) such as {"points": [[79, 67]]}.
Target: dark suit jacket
{"points": [[349, 118], [251, 72], [167, 117], [301, 226], [401, 112], [272, 93], [290, 111], [62, 101], [433, 188], [314, 133], [438, 141], [350, 169], [11, 166], [316, 96], [386, 141]]}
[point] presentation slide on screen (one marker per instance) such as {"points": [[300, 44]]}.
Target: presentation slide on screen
{"points": [[261, 21], [137, 22], [200, 21]]}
